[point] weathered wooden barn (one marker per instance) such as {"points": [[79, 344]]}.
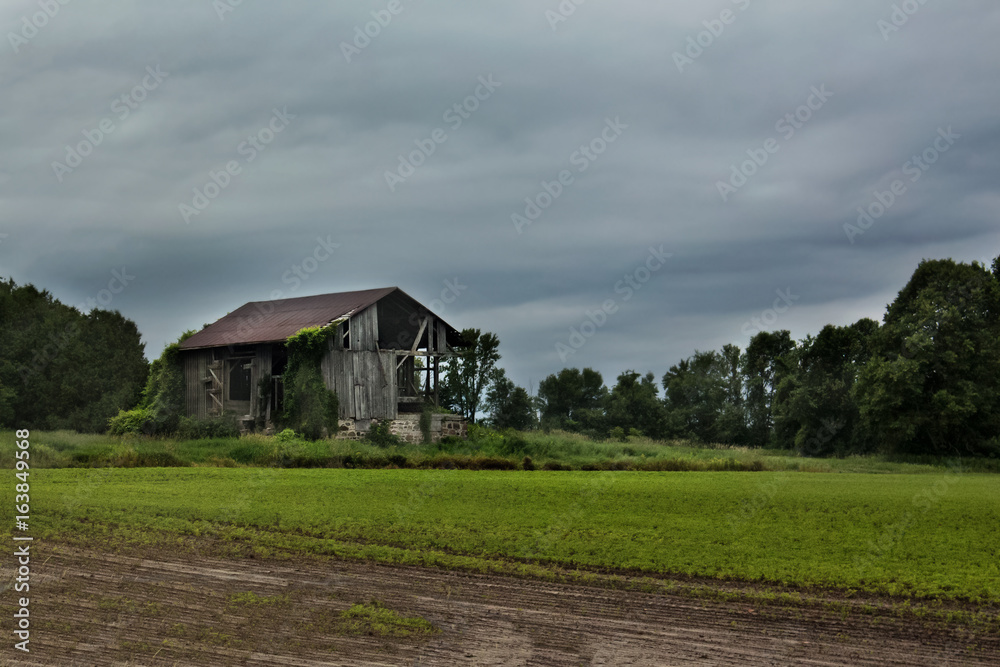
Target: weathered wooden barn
{"points": [[371, 363]]}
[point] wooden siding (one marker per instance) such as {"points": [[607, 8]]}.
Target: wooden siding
{"points": [[364, 330], [441, 339], [195, 371], [364, 381], [261, 367]]}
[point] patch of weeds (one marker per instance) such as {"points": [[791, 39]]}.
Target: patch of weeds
{"points": [[177, 630], [152, 609], [135, 647], [210, 636], [115, 604], [251, 600], [380, 436], [376, 619]]}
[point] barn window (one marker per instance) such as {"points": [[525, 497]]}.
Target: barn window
{"points": [[239, 381], [346, 326]]}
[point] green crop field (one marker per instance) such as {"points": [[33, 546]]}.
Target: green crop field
{"points": [[928, 535]]}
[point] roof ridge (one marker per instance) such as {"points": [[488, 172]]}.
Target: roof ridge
{"points": [[276, 319], [310, 296]]}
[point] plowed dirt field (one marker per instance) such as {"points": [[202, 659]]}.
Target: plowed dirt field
{"points": [[90, 608]]}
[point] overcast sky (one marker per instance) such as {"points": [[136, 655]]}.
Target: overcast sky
{"points": [[709, 153]]}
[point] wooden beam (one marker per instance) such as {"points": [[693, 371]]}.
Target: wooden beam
{"points": [[420, 333], [406, 354], [437, 397]]}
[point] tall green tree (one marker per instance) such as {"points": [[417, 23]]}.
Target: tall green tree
{"points": [[763, 370], [933, 387], [510, 406], [469, 372], [634, 404], [703, 397], [815, 411], [573, 399], [732, 423]]}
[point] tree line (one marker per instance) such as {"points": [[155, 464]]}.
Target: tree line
{"points": [[926, 380], [63, 369]]}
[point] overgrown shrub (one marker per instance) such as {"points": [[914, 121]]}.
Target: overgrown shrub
{"points": [[138, 421], [425, 424], [481, 435], [287, 435], [514, 443], [380, 436], [309, 406], [163, 395]]}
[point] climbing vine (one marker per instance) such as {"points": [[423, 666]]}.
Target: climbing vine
{"points": [[309, 405]]}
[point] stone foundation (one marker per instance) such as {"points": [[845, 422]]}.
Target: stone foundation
{"points": [[407, 427]]}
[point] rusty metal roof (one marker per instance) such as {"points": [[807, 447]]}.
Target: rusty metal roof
{"points": [[271, 321]]}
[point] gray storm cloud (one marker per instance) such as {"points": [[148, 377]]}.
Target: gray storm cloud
{"points": [[277, 124]]}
